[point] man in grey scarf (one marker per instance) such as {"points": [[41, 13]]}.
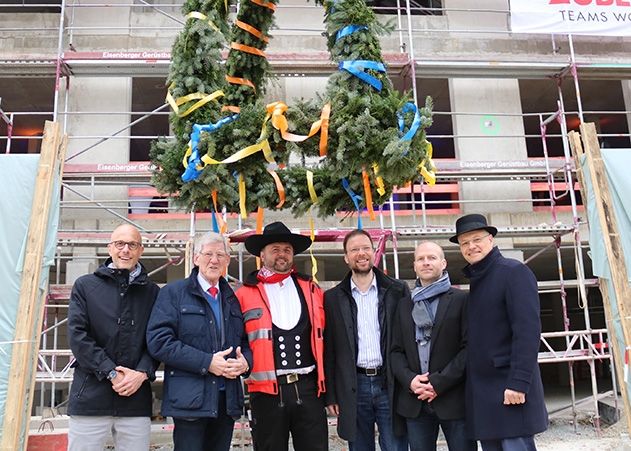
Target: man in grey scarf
{"points": [[429, 354]]}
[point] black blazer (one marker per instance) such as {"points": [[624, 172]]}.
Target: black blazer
{"points": [[340, 344], [447, 357]]}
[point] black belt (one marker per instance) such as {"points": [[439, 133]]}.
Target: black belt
{"points": [[292, 378], [370, 371]]}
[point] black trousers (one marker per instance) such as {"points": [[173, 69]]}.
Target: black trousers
{"points": [[204, 434], [296, 410]]}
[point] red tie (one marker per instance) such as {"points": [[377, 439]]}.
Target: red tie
{"points": [[213, 291]]}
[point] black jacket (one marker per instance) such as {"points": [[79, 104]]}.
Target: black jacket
{"points": [[182, 334], [340, 344], [447, 357], [107, 321]]}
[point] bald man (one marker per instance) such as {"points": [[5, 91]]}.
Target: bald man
{"points": [[429, 355], [107, 321]]}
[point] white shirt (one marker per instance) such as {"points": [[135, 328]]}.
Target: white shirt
{"points": [[284, 303], [368, 330], [205, 285]]}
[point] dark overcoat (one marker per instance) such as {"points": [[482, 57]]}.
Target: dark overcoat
{"points": [[446, 362], [503, 341], [340, 344]]}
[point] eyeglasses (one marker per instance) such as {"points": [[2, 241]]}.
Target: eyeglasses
{"points": [[211, 255], [474, 241], [120, 245]]}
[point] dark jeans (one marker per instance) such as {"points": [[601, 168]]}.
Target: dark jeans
{"points": [[510, 444], [296, 410], [373, 407], [204, 434], [423, 432]]}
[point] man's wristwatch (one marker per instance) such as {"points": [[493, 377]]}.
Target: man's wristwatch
{"points": [[112, 375]]}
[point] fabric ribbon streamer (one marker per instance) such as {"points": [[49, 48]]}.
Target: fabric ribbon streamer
{"points": [[279, 187], [202, 16], [276, 111], [241, 182], [349, 29], [219, 225], [355, 198], [357, 68], [192, 162], [253, 31], [416, 123], [427, 167], [240, 81], [381, 187], [368, 194], [247, 49], [202, 98], [314, 262], [311, 188], [264, 4]]}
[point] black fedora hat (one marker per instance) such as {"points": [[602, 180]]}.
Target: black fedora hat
{"points": [[276, 232], [467, 223]]}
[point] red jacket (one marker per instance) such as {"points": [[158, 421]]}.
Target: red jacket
{"points": [[258, 327]]}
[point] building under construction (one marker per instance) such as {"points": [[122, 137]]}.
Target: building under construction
{"points": [[503, 106]]}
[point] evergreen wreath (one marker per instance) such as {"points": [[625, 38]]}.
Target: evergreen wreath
{"points": [[371, 148]]}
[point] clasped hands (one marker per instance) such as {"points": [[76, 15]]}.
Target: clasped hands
{"points": [[127, 381], [230, 368], [422, 387]]}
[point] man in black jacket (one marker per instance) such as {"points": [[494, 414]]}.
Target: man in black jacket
{"points": [[429, 355], [358, 335], [107, 321]]}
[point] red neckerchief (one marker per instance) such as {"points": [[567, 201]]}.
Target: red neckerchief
{"points": [[266, 276]]}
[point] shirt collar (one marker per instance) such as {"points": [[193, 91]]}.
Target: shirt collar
{"points": [[373, 284], [204, 284]]}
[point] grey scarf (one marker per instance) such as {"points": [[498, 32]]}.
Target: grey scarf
{"points": [[422, 312]]}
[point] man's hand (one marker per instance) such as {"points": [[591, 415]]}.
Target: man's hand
{"points": [[127, 381], [219, 363], [422, 387], [236, 367], [514, 397], [333, 409]]}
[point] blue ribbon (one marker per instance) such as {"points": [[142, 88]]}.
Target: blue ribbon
{"points": [[357, 68], [355, 198], [416, 123], [191, 172], [349, 29], [214, 222]]}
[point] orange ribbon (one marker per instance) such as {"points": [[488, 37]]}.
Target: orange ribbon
{"points": [[247, 49], [223, 226], [368, 194], [264, 4], [253, 31], [277, 112], [231, 108], [240, 81], [279, 187]]}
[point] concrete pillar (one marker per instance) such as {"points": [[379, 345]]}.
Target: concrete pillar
{"points": [[626, 92], [483, 139], [94, 95]]}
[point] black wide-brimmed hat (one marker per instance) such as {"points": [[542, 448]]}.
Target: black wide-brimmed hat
{"points": [[276, 232], [467, 223]]}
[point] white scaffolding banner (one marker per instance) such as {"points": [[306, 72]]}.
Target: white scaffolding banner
{"points": [[591, 17]]}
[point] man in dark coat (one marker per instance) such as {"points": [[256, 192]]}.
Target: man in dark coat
{"points": [[357, 338], [107, 320], [429, 355], [504, 393], [196, 329]]}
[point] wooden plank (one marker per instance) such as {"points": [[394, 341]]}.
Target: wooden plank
{"points": [[29, 315], [613, 248]]}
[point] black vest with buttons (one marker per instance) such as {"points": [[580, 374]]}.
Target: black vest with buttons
{"points": [[292, 348]]}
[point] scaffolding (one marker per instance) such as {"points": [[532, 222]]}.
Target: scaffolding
{"points": [[553, 176]]}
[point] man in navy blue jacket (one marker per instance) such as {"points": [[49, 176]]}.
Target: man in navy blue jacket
{"points": [[504, 394], [196, 329]]}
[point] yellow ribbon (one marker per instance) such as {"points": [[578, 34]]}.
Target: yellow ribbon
{"points": [[201, 16], [312, 192], [381, 187], [203, 100], [223, 226], [244, 212], [314, 262], [429, 172], [241, 154]]}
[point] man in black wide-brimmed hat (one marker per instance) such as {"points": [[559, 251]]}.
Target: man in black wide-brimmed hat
{"points": [[504, 394], [284, 320]]}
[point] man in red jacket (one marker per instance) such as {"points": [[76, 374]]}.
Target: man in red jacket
{"points": [[284, 320]]}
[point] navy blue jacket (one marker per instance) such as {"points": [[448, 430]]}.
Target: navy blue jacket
{"points": [[504, 331], [107, 319], [182, 334]]}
